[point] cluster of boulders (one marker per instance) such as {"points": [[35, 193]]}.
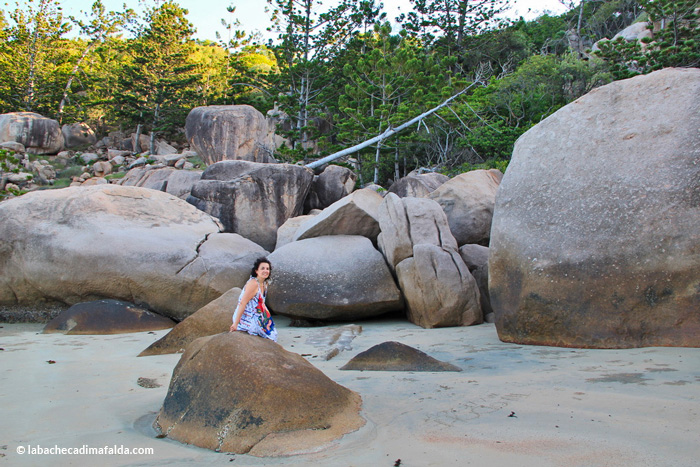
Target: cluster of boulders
{"points": [[100, 164], [332, 266], [23, 133], [215, 133], [17, 172], [583, 251]]}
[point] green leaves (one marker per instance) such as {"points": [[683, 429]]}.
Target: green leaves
{"points": [[156, 86], [675, 41]]}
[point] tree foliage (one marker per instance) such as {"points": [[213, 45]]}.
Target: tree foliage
{"points": [[337, 74], [33, 55], [675, 41], [156, 87]]}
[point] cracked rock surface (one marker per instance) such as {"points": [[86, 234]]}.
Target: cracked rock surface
{"points": [[125, 243]]}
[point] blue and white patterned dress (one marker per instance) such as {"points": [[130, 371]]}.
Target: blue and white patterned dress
{"points": [[253, 321]]}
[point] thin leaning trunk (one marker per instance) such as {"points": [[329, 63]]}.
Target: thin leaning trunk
{"points": [[387, 133], [70, 82]]}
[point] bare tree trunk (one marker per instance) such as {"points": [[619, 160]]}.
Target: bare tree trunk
{"points": [[70, 82], [300, 114], [377, 153], [303, 115], [137, 144], [396, 161], [376, 163], [387, 133], [359, 171], [580, 18], [29, 102], [156, 121]]}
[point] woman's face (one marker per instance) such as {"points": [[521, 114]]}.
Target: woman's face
{"points": [[263, 271]]}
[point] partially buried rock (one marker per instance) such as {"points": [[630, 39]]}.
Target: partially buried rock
{"points": [[395, 356], [238, 393], [213, 318], [106, 317]]}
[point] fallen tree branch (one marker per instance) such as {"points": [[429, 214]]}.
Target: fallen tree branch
{"points": [[388, 133]]}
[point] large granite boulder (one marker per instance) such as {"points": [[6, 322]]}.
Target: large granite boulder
{"points": [[39, 135], [76, 135], [213, 318], [180, 182], [635, 32], [418, 185], [339, 277], [252, 199], [468, 201], [108, 241], [411, 221], [595, 239], [287, 231], [229, 132], [439, 289], [417, 243], [329, 186], [147, 176], [238, 393], [106, 317], [168, 179], [355, 214]]}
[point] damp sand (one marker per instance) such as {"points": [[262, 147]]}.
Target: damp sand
{"points": [[511, 405]]}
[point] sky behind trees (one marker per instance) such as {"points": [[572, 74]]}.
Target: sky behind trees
{"points": [[206, 15]]}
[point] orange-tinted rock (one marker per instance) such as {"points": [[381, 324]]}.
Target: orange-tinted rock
{"points": [[238, 393], [213, 318]]}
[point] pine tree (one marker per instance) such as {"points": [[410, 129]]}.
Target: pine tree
{"points": [[158, 86], [390, 79], [309, 41], [675, 25], [446, 24], [31, 56], [99, 27]]}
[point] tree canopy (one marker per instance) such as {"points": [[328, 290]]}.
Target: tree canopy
{"points": [[337, 75]]}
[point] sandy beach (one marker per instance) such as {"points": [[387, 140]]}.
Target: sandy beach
{"points": [[511, 405]]}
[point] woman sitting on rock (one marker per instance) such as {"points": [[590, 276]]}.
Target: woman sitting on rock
{"points": [[251, 315]]}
